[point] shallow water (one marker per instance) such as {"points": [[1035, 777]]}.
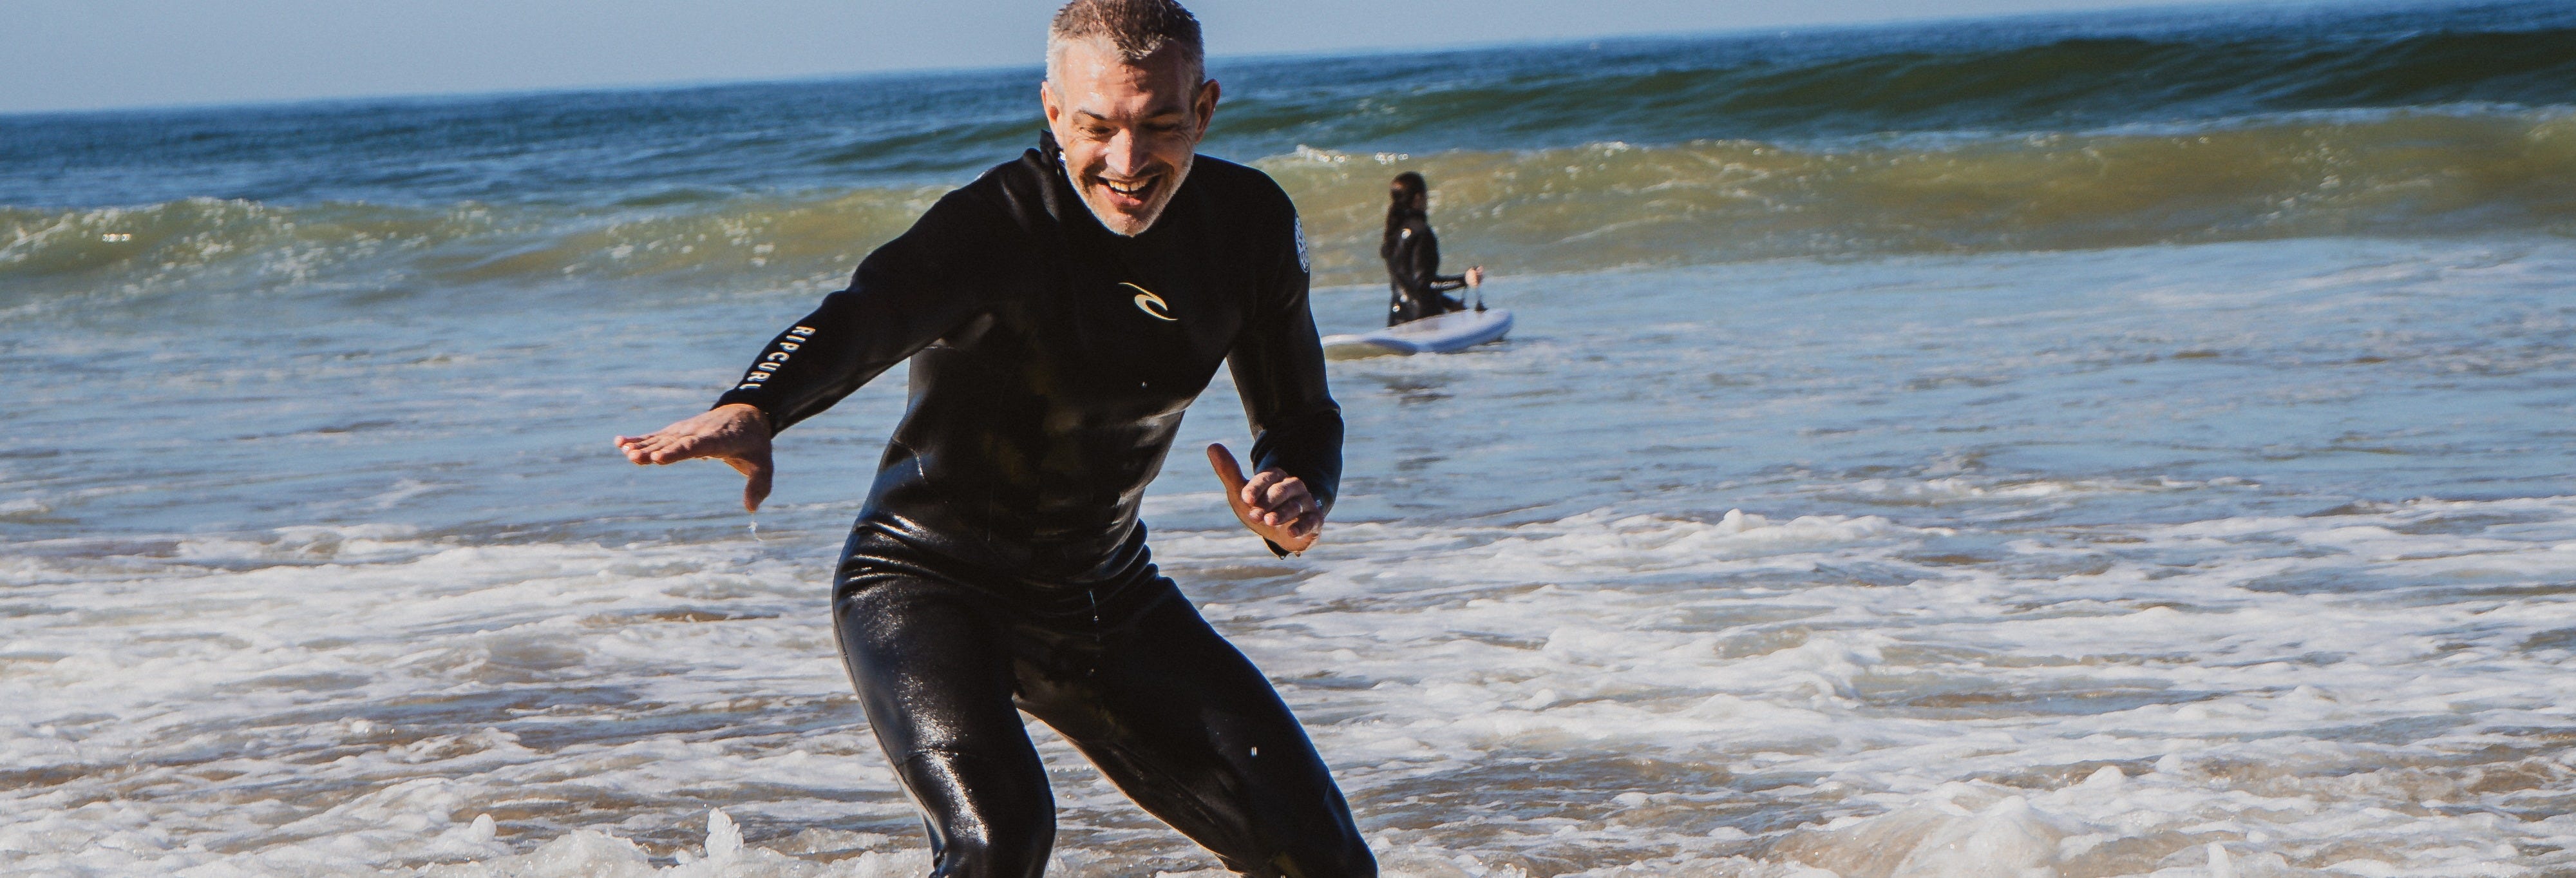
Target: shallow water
{"points": [[1925, 565]]}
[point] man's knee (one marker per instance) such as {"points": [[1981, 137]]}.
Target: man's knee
{"points": [[986, 820]]}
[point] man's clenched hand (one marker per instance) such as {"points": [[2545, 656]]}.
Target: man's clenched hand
{"points": [[1274, 504]]}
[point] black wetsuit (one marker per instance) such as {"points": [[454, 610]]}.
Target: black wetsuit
{"points": [[1413, 273], [999, 561]]}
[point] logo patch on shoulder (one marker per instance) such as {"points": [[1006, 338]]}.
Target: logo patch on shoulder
{"points": [[1302, 264], [1151, 304]]}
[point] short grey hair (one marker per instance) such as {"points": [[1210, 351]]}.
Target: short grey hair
{"points": [[1136, 28]]}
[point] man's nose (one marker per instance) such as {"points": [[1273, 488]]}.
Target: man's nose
{"points": [[1126, 154]]}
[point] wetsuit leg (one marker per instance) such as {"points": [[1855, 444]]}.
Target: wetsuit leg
{"points": [[1189, 729], [934, 670]]}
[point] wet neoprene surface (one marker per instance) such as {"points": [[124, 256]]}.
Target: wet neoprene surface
{"points": [[1052, 359], [1126, 671], [1413, 274], [999, 564]]}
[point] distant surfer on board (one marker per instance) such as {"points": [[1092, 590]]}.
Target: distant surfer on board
{"points": [[1412, 255], [1060, 313]]}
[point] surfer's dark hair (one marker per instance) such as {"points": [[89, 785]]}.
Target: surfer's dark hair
{"points": [[1136, 28], [1400, 195]]}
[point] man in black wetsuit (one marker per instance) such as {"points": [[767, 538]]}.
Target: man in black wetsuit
{"points": [[1060, 313]]}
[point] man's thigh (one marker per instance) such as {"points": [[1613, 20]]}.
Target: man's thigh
{"points": [[930, 666], [1186, 726]]}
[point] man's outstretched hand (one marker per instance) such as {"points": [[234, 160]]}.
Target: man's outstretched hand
{"points": [[736, 434], [1273, 504]]}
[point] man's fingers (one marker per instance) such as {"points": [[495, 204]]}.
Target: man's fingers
{"points": [[1293, 518], [1279, 514], [1273, 490], [1281, 490], [652, 450], [1282, 498], [1299, 519], [661, 448], [1255, 489], [756, 471], [1228, 473], [756, 487], [647, 449]]}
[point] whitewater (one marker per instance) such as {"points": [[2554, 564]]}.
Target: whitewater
{"points": [[2135, 475]]}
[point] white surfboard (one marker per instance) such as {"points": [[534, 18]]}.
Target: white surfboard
{"points": [[1436, 334]]}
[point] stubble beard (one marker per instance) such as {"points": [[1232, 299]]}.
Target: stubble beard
{"points": [[1128, 225]]}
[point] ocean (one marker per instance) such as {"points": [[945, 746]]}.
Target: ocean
{"points": [[2135, 443]]}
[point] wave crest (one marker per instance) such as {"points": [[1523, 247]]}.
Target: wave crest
{"points": [[1612, 204], [2458, 170]]}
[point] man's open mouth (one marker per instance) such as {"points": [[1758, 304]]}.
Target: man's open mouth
{"points": [[1135, 191]]}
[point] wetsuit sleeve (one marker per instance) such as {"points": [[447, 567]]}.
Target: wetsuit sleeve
{"points": [[1414, 265], [1278, 368], [904, 296], [1425, 267]]}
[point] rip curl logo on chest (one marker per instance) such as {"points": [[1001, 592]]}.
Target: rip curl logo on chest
{"points": [[1151, 304]]}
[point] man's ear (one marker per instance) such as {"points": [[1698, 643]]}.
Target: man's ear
{"points": [[1052, 104], [1205, 107]]}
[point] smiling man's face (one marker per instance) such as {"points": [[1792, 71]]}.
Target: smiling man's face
{"points": [[1128, 129]]}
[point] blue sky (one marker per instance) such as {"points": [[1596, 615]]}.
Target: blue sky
{"points": [[90, 54]]}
